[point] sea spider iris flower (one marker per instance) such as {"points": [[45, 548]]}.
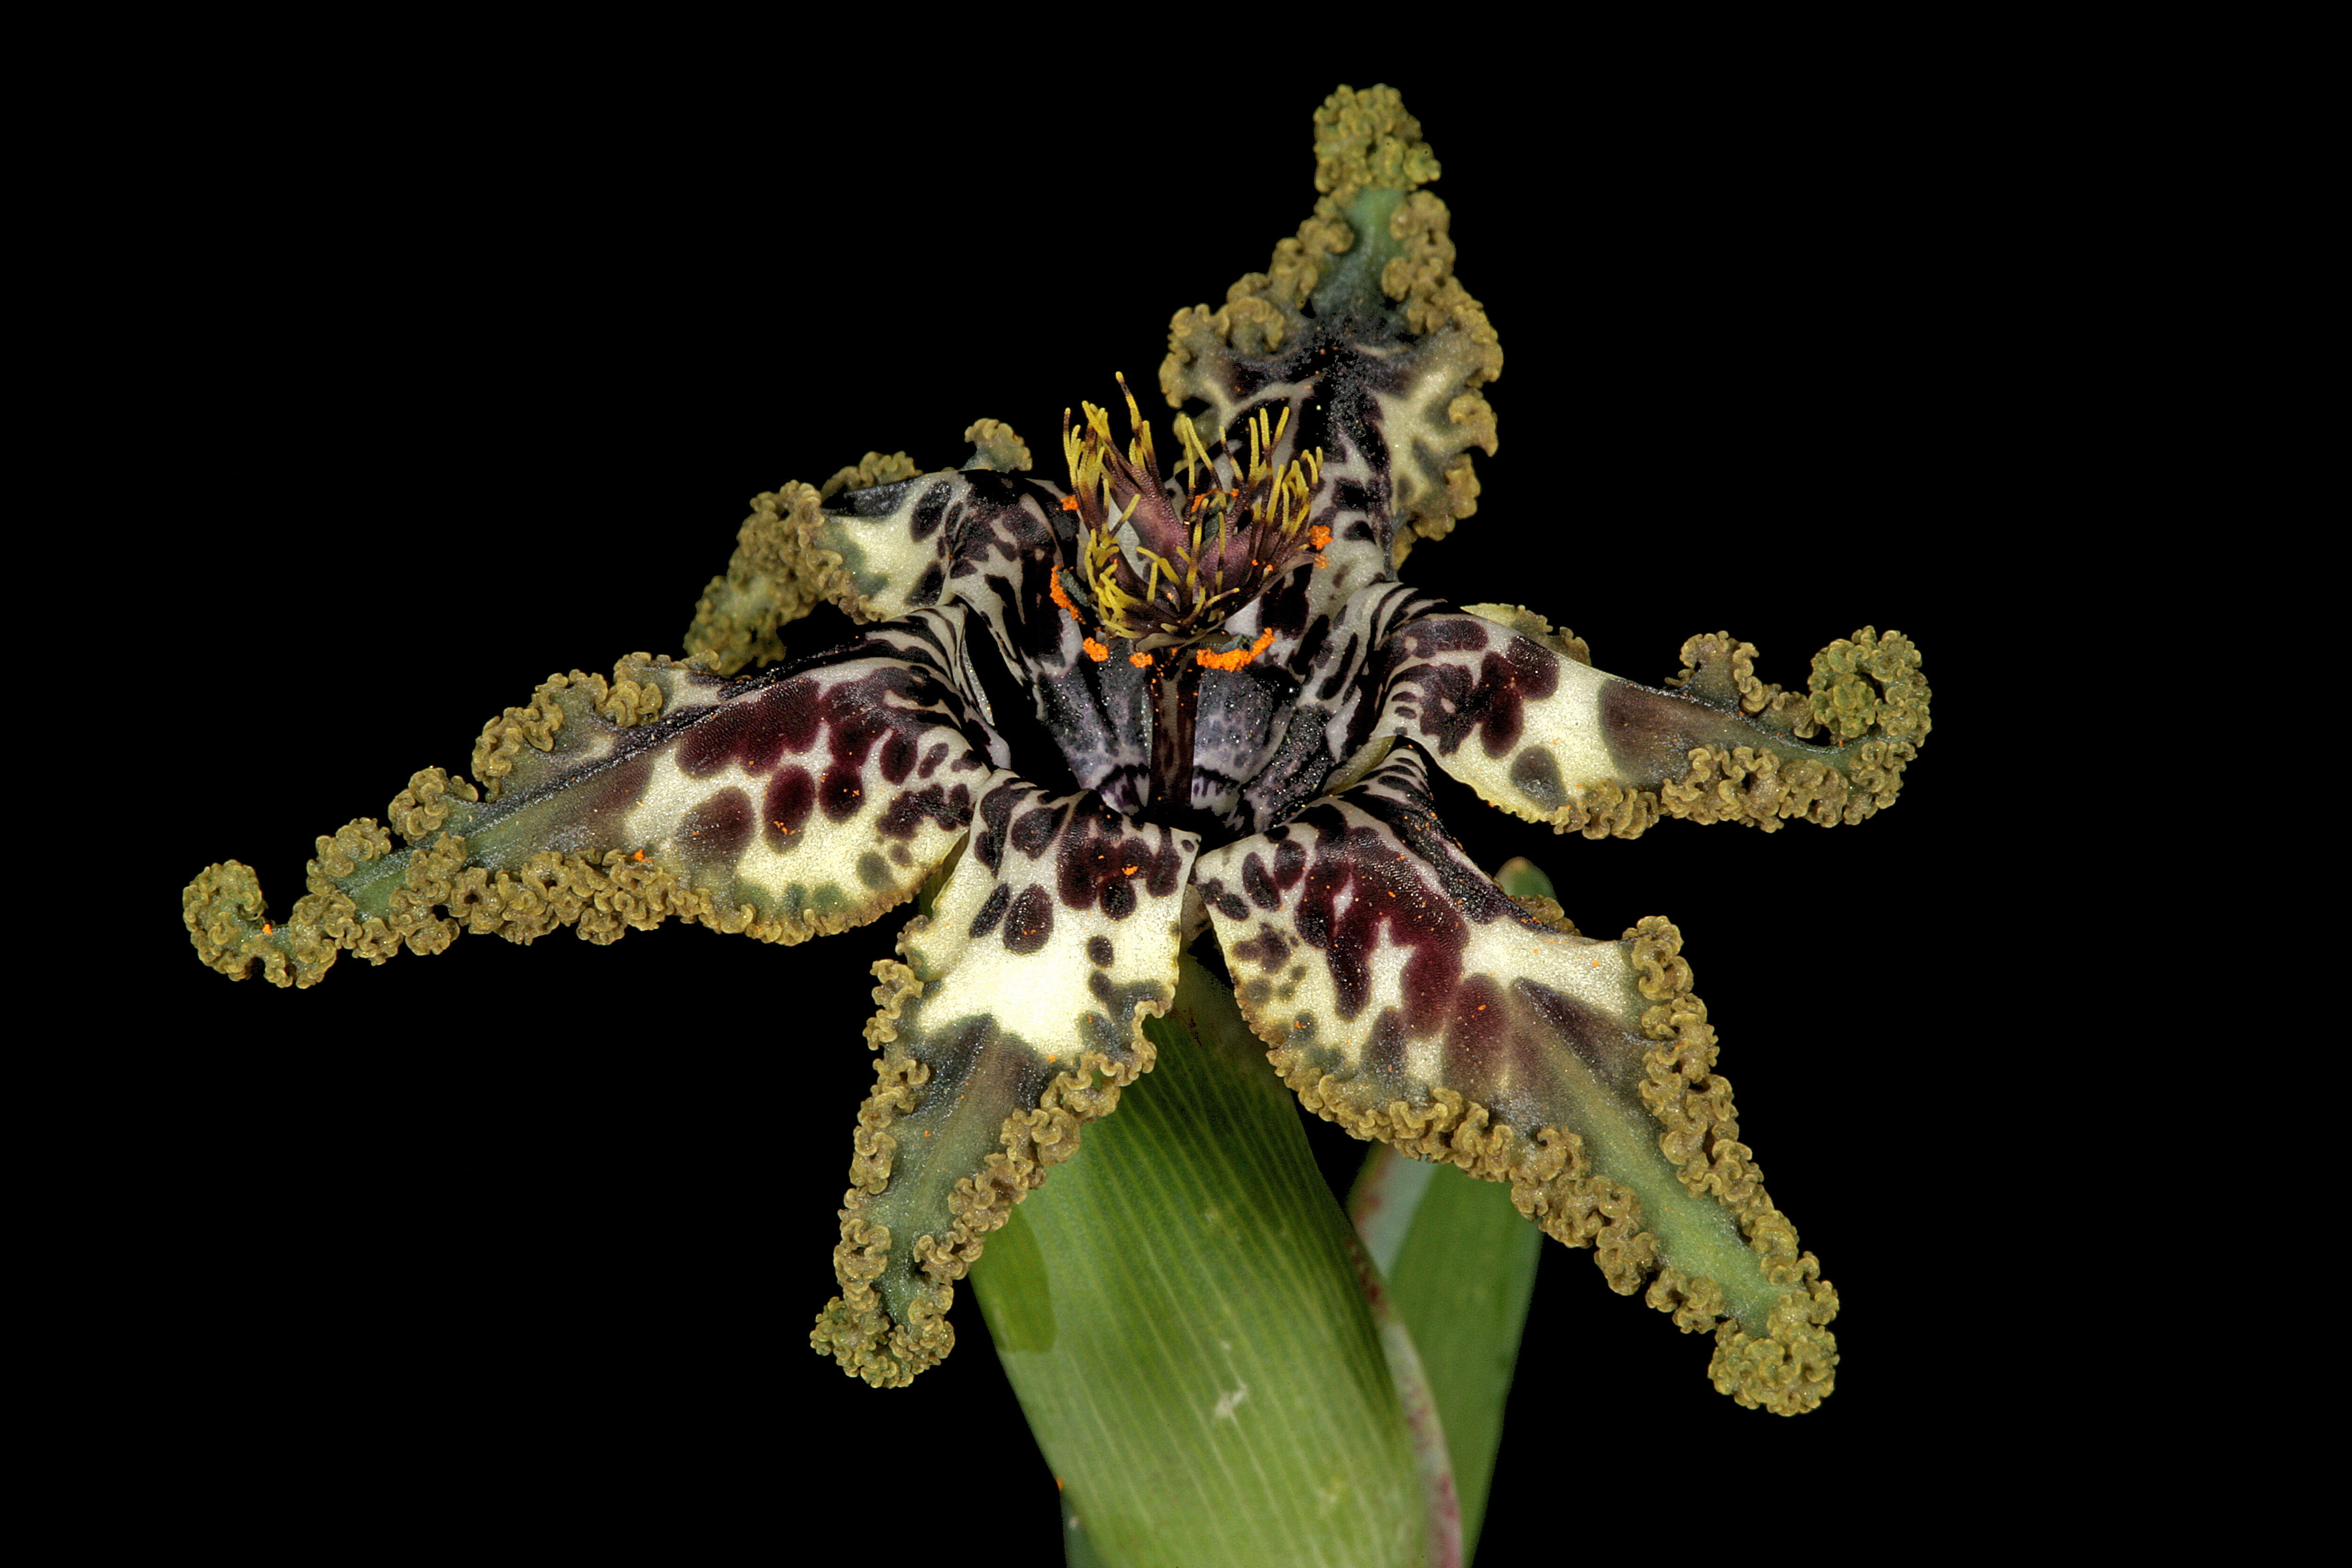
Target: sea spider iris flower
{"points": [[1209, 635]]}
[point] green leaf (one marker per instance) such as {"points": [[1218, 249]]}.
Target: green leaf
{"points": [[1460, 1263], [1178, 1310]]}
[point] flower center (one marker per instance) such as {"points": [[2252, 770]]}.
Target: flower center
{"points": [[1165, 566]]}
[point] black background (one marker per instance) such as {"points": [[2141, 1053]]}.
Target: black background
{"points": [[447, 378]]}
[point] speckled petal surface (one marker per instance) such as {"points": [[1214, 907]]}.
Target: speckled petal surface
{"points": [[1542, 734], [1016, 1016], [789, 805], [1406, 997]]}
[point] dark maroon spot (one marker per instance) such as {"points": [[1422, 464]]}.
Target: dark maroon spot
{"points": [[1095, 855], [909, 809], [932, 761], [1034, 829], [762, 738], [1537, 777], [1534, 668], [1227, 904], [1289, 863], [841, 793], [1099, 949], [1257, 884], [1446, 711], [930, 510], [1030, 920], [1452, 701], [1118, 901], [992, 910], [988, 842], [712, 741], [1313, 918], [797, 711], [926, 587], [716, 830], [1162, 869], [897, 759], [791, 796]]}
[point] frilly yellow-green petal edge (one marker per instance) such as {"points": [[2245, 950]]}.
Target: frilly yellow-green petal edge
{"points": [[1789, 1366], [369, 899], [777, 575], [853, 1328], [1365, 144]]}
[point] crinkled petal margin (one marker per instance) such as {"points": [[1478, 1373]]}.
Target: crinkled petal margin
{"points": [[1016, 1016], [1515, 713], [1406, 997], [804, 801]]}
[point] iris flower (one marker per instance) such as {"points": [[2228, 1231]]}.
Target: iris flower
{"points": [[1166, 692]]}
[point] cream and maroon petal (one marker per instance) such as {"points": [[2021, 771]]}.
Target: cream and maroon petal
{"points": [[988, 539], [822, 798], [1016, 1016], [1406, 997], [1514, 713], [788, 804]]}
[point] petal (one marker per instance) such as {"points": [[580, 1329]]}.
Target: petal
{"points": [[1360, 330], [805, 800], [982, 538], [1407, 998], [991, 540], [1016, 1016], [1512, 711]]}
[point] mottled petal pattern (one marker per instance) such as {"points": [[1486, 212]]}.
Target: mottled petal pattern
{"points": [[828, 795], [1016, 1016], [1516, 715], [1216, 642], [985, 539], [1406, 997], [785, 805]]}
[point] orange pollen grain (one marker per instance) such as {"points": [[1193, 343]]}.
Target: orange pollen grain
{"points": [[1094, 650], [1140, 661], [1061, 596], [268, 930], [1318, 536], [1238, 656], [1129, 870], [1069, 503]]}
